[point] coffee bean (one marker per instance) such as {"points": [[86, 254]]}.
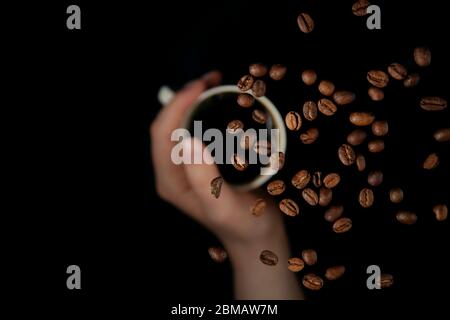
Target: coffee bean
{"points": [[310, 136], [375, 146], [258, 207], [317, 179], [440, 211], [268, 258], [359, 8], [442, 135], [346, 154], [309, 256], [276, 187], [333, 213], [342, 225], [411, 80], [326, 87], [334, 273], [406, 217], [343, 97], [234, 126], [248, 139], [360, 162], [259, 116], [378, 78], [238, 162], [277, 72], [216, 186], [433, 103], [376, 94], [310, 110], [362, 119], [356, 137], [289, 207], [327, 107], [276, 160], [312, 282], [422, 56], [431, 162], [310, 196], [375, 178], [262, 147], [397, 71], [325, 196], [366, 198], [380, 128], [396, 195], [305, 22], [331, 180], [257, 70], [386, 280], [217, 254], [309, 77], [259, 88], [245, 83], [295, 264], [301, 179], [245, 100], [293, 121]]}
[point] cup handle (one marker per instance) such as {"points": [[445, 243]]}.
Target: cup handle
{"points": [[165, 95]]}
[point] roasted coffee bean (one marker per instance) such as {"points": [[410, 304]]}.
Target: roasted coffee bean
{"points": [[289, 207], [257, 70], [216, 186], [268, 257], [327, 107], [331, 180], [397, 71], [433, 103], [245, 100], [317, 179], [375, 178], [238, 162], [259, 116], [310, 110], [326, 87], [309, 256], [441, 212], [310, 196], [366, 198], [277, 160], [295, 264], [246, 83], [325, 196], [406, 217], [386, 280], [310, 136], [301, 179], [248, 139], [442, 135], [378, 78], [334, 273], [422, 56], [359, 8], [356, 137], [360, 162], [309, 77], [305, 22], [343, 97], [380, 128], [258, 207], [362, 119], [276, 187], [293, 121], [259, 88], [346, 154], [431, 162], [234, 126], [277, 72], [411, 80], [342, 225], [262, 147], [333, 213], [396, 195], [217, 254], [312, 282], [376, 94], [375, 146]]}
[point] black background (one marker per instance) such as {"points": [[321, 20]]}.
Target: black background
{"points": [[83, 192]]}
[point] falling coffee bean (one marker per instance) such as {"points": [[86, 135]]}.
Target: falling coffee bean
{"points": [[356, 137], [312, 282], [440, 212], [375, 146], [310, 136], [366, 198], [245, 83], [346, 154], [234, 126], [386, 280], [310, 196], [431, 162], [422, 56], [295, 264], [317, 179], [325, 196], [360, 162], [411, 80], [289, 207], [380, 128], [277, 160], [331, 180], [376, 94], [259, 116], [333, 213], [378, 78], [293, 121], [309, 256], [216, 186], [276, 187], [397, 71], [258, 207], [217, 254], [406, 217], [334, 273], [433, 103], [310, 110], [309, 77], [375, 178], [257, 70], [262, 147], [305, 22], [259, 88], [359, 8], [327, 107], [277, 72], [268, 258], [396, 195], [326, 87], [248, 139], [239, 163], [301, 179], [343, 97], [245, 100], [442, 135], [361, 119], [342, 225]]}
